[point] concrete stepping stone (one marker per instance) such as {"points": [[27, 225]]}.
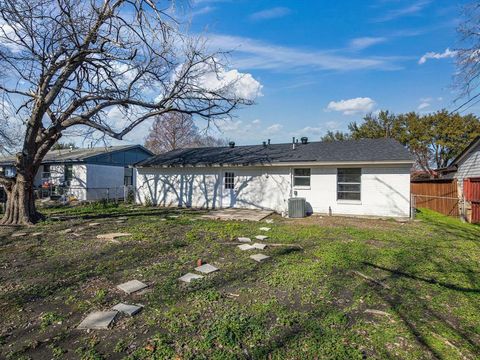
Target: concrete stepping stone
{"points": [[244, 239], [132, 286], [123, 218], [98, 320], [244, 247], [259, 257], [112, 236], [76, 234], [269, 221], [265, 229], [94, 224], [259, 246], [127, 309], [206, 268], [19, 234], [66, 231], [189, 277], [173, 216], [261, 237], [36, 234], [120, 221]]}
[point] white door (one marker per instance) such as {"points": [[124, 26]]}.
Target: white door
{"points": [[229, 197]]}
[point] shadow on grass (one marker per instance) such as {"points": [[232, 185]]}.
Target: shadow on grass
{"points": [[399, 273]]}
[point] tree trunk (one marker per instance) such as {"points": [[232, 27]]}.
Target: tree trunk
{"points": [[20, 207]]}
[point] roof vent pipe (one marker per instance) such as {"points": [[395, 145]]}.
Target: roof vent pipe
{"points": [[304, 140], [264, 143], [231, 144], [268, 141]]}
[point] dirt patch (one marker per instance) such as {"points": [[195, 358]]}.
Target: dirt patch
{"points": [[344, 221]]}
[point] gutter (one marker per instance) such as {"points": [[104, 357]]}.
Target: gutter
{"points": [[283, 164]]}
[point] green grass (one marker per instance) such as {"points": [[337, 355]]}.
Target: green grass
{"points": [[357, 288]]}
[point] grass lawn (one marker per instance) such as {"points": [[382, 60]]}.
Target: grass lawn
{"points": [[358, 288]]}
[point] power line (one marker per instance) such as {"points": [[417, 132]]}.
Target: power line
{"points": [[465, 103]]}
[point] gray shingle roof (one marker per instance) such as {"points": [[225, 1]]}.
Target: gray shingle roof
{"points": [[365, 150], [75, 155]]}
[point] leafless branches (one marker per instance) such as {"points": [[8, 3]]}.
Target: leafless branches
{"points": [[69, 63]]}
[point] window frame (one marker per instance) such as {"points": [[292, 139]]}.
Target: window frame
{"points": [[359, 192], [229, 180], [309, 177], [68, 170]]}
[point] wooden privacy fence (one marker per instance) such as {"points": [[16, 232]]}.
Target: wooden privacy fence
{"points": [[440, 196]]}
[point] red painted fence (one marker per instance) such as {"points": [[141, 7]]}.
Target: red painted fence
{"points": [[471, 192]]}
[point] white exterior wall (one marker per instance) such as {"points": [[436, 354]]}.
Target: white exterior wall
{"points": [[469, 167], [385, 189], [103, 181]]}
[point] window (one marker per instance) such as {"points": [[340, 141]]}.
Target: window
{"points": [[349, 184], [229, 180], [128, 179], [301, 177], [46, 172], [10, 171], [68, 173]]}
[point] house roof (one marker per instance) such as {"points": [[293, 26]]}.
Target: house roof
{"points": [[465, 151], [77, 155], [366, 150]]}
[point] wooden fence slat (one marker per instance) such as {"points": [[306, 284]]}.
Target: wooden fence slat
{"points": [[438, 196]]}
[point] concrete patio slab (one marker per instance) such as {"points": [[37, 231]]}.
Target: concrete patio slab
{"points": [[98, 320], [264, 229], [189, 277], [244, 247], [244, 239], [206, 268], [237, 214], [128, 309], [259, 246], [259, 257], [261, 237], [132, 286]]}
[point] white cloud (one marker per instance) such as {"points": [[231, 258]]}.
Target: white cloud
{"points": [[271, 13], [433, 55], [272, 129], [423, 105], [202, 11], [243, 85], [365, 42], [255, 54], [352, 106], [410, 10], [308, 131]]}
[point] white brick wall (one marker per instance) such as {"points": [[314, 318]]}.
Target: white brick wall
{"points": [[385, 189]]}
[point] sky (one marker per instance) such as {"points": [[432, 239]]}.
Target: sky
{"points": [[317, 65]]}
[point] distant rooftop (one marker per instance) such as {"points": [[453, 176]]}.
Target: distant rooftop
{"points": [[365, 150], [76, 155]]}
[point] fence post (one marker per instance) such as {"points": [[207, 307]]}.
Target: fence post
{"points": [[412, 206]]}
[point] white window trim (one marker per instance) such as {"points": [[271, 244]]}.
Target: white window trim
{"points": [[301, 187], [350, 201]]}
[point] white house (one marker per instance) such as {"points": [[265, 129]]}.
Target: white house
{"points": [[86, 174], [356, 177]]}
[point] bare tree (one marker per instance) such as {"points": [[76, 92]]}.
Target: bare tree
{"points": [[176, 131], [67, 63], [467, 75]]}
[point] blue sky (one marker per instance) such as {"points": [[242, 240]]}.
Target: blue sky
{"points": [[323, 64]]}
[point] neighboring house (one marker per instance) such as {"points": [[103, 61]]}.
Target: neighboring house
{"points": [[355, 177], [465, 169], [87, 174]]}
